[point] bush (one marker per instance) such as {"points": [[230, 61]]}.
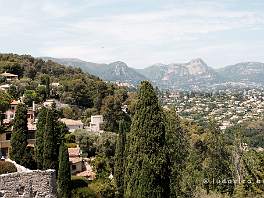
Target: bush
{"points": [[71, 145], [7, 167], [104, 188], [83, 193], [70, 138], [79, 182]]}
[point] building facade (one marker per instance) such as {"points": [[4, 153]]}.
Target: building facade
{"points": [[9, 115]]}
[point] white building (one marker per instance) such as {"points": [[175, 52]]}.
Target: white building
{"points": [[95, 123], [58, 104], [4, 87]]}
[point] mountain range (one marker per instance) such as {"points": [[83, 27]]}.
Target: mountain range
{"points": [[193, 75]]}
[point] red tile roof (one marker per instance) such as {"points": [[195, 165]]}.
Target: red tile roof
{"points": [[74, 152]]}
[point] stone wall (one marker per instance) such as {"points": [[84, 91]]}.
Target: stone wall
{"points": [[35, 184]]}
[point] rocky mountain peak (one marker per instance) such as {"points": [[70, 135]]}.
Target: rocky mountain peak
{"points": [[197, 61], [118, 64], [197, 67], [119, 68]]}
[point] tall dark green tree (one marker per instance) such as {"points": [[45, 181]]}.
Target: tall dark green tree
{"points": [[64, 173], [41, 126], [45, 80], [50, 133], [178, 146], [19, 135], [119, 169], [145, 174], [50, 146], [4, 105], [218, 162]]}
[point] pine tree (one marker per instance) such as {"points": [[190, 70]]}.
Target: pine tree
{"points": [[39, 137], [119, 169], [145, 174], [19, 135], [64, 173], [177, 151]]}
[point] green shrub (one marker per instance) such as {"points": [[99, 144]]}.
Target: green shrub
{"points": [[71, 145], [104, 188], [70, 138], [84, 192], [79, 182], [7, 167]]}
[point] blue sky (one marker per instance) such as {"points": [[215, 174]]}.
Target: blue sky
{"points": [[138, 32]]}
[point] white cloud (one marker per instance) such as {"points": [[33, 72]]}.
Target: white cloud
{"points": [[98, 31]]}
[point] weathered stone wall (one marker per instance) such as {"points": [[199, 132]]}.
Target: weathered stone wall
{"points": [[35, 184]]}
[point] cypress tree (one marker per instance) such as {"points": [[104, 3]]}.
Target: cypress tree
{"points": [[19, 135], [39, 137], [177, 152], [218, 162], [64, 173], [119, 169], [145, 174], [50, 154], [47, 84]]}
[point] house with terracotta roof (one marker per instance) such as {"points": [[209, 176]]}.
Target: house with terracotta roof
{"points": [[80, 166], [76, 160]]}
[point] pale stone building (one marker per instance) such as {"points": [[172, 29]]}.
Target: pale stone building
{"points": [[96, 122], [72, 125]]}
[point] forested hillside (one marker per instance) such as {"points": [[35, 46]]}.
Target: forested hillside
{"points": [[86, 94]]}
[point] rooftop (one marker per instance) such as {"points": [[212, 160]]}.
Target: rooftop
{"points": [[8, 75], [14, 102], [74, 152], [71, 122]]}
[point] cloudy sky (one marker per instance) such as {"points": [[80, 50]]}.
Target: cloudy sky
{"points": [[138, 32]]}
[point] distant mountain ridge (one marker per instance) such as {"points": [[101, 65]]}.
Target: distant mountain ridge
{"points": [[181, 75], [195, 74], [244, 72], [116, 71]]}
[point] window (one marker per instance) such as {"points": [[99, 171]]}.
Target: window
{"points": [[31, 135], [8, 136], [73, 167]]}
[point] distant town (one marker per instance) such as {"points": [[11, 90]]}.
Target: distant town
{"points": [[227, 107]]}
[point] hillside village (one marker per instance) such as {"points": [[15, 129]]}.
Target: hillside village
{"points": [[82, 103], [78, 166]]}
